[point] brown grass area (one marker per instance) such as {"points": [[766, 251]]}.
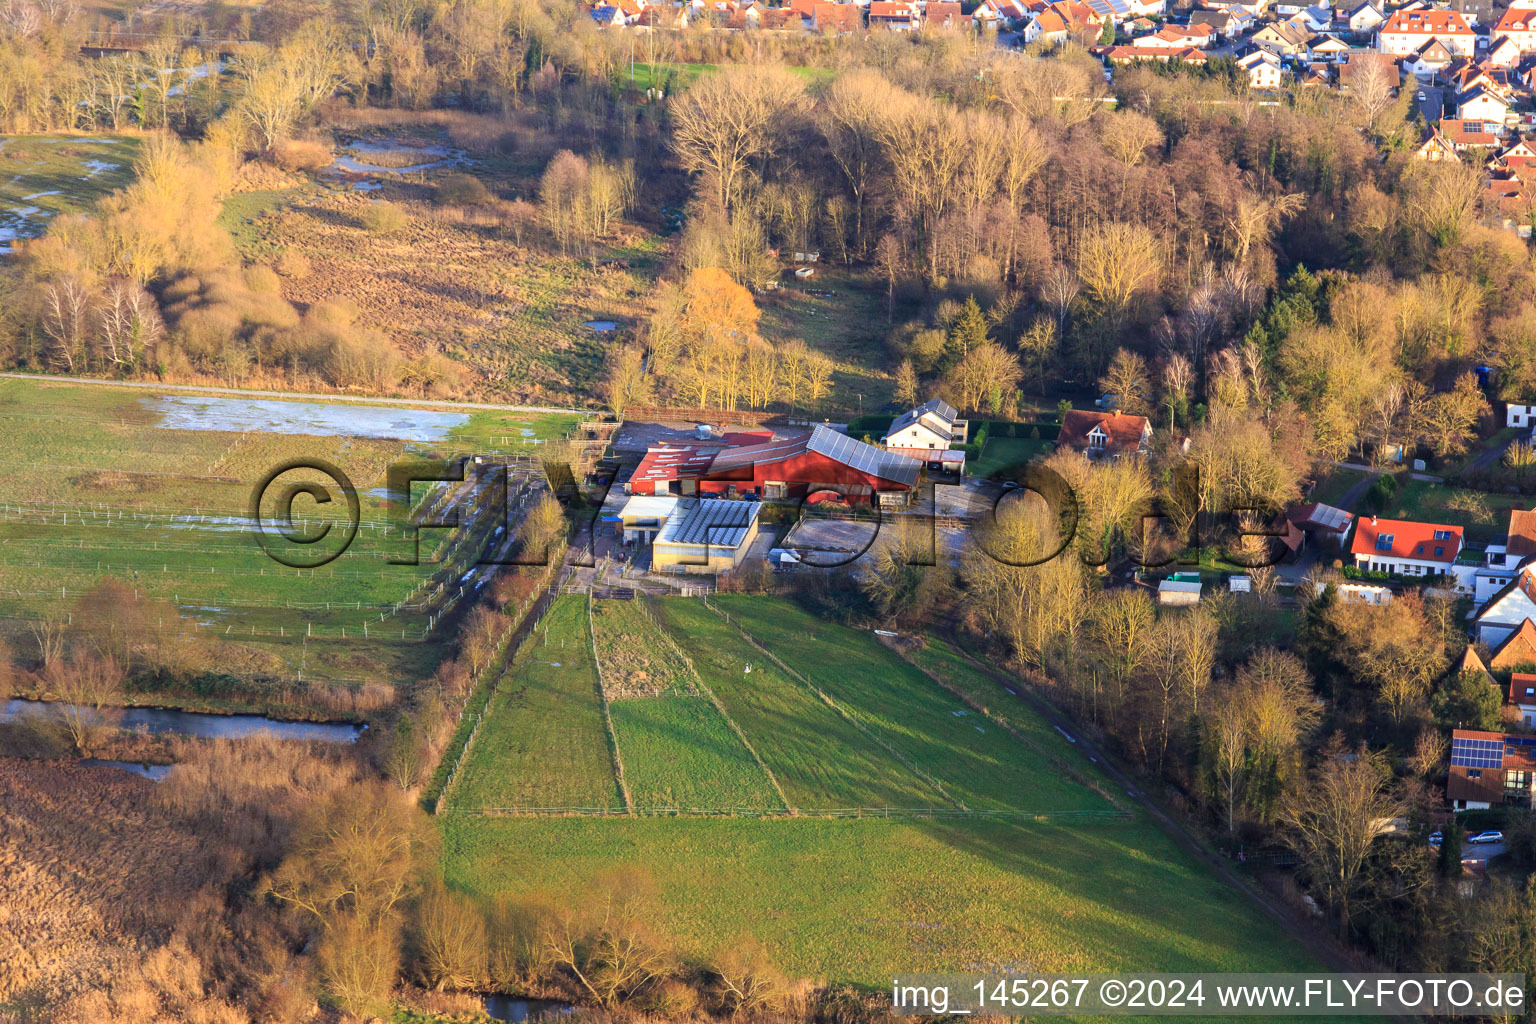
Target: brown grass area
{"points": [[454, 281], [115, 892], [89, 869]]}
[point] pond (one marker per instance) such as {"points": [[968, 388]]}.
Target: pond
{"points": [[152, 772], [195, 723], [272, 416], [393, 158], [511, 1008]]}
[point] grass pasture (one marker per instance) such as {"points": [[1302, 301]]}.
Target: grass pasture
{"points": [[1001, 453], [978, 764], [847, 897], [94, 485], [638, 658], [821, 759], [543, 743], [681, 752], [48, 176]]}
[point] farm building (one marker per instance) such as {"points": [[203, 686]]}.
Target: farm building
{"points": [[671, 469], [813, 464], [926, 432], [643, 516], [705, 535], [1179, 589]]}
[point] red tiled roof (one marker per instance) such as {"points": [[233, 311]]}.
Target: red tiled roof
{"points": [[673, 462], [1427, 22], [1460, 134], [943, 12], [1125, 431], [1522, 688], [1405, 539]]}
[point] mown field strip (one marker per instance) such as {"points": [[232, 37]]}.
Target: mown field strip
{"points": [[973, 758], [679, 747], [847, 714], [543, 742], [819, 758]]}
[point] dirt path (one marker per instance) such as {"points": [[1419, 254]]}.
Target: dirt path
{"points": [[305, 396]]}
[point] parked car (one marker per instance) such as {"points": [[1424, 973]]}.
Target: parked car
{"points": [[1435, 839], [1486, 837]]}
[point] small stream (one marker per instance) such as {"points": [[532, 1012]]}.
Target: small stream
{"points": [[196, 723]]}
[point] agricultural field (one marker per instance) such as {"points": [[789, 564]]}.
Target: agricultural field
{"points": [[977, 764], [849, 898], [46, 176], [153, 490], [543, 743], [840, 312]]}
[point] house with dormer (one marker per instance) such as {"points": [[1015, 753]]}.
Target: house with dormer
{"points": [[1407, 30], [1404, 547], [1518, 25], [1112, 434]]}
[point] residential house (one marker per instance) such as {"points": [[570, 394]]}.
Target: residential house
{"points": [[1111, 11], [1436, 148], [1501, 563], [1482, 104], [1139, 27], [1160, 54], [1507, 614], [1470, 662], [1365, 19], [1282, 38], [1477, 12], [927, 432], [1490, 769], [1518, 25], [1522, 694], [1097, 434], [1404, 547], [838, 18], [1263, 69], [1519, 156], [1504, 52], [1228, 24], [1327, 48], [1463, 134], [1180, 37], [988, 15], [1428, 60], [1317, 18], [889, 14], [1408, 30], [943, 14], [1356, 63], [1064, 20]]}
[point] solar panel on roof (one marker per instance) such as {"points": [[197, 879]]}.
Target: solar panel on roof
{"points": [[865, 458], [1476, 753], [716, 522]]}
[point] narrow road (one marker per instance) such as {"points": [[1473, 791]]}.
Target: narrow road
{"points": [[1330, 954], [305, 396]]}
